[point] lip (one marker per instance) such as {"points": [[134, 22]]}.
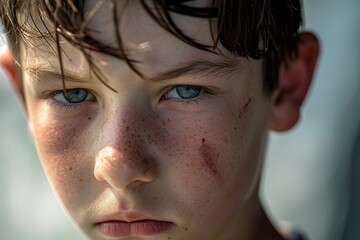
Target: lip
{"points": [[129, 223], [146, 227]]}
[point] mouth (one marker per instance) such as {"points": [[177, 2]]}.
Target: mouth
{"points": [[145, 227]]}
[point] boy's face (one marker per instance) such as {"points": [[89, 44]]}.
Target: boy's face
{"points": [[176, 158]]}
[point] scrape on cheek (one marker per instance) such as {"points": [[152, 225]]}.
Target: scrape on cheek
{"points": [[209, 157]]}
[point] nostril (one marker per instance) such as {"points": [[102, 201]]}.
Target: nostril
{"points": [[150, 173], [145, 161]]}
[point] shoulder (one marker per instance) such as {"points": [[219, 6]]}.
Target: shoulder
{"points": [[291, 233], [296, 235]]}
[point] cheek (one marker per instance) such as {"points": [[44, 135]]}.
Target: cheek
{"points": [[60, 145], [214, 156], [242, 147]]}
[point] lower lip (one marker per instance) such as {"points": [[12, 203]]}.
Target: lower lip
{"points": [[136, 228]]}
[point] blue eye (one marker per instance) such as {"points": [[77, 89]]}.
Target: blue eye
{"points": [[76, 95], [185, 92]]}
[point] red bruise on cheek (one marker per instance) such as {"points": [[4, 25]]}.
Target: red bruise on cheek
{"points": [[209, 157]]}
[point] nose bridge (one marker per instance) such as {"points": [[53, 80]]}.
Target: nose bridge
{"points": [[117, 129], [123, 125], [124, 157]]}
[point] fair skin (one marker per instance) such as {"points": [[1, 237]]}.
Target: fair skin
{"points": [[173, 167]]}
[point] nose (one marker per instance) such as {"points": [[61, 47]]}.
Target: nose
{"points": [[125, 157], [121, 170]]}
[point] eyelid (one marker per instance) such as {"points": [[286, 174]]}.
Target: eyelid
{"points": [[174, 88], [184, 103], [67, 94], [69, 105], [43, 83]]}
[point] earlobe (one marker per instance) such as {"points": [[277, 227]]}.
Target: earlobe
{"points": [[294, 80], [8, 64]]}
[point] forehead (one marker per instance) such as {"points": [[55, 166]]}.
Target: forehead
{"points": [[143, 39], [132, 26]]}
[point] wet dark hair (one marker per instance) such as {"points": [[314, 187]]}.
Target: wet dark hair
{"points": [[249, 28]]}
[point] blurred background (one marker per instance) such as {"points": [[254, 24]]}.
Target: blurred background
{"points": [[311, 179]]}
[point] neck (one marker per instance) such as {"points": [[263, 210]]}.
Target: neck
{"points": [[259, 227], [266, 230]]}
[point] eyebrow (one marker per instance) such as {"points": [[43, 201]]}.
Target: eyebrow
{"points": [[216, 68], [224, 67], [46, 72]]}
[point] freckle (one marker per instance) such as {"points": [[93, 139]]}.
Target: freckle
{"points": [[70, 168], [89, 118], [80, 180], [203, 140]]}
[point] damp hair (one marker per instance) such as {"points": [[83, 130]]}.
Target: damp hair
{"points": [[258, 29]]}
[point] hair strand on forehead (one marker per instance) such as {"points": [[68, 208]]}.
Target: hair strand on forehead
{"points": [[259, 29], [116, 23]]}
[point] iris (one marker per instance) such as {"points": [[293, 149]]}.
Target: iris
{"points": [[187, 91]]}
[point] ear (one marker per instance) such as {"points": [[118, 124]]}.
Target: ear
{"points": [[295, 77], [8, 64]]}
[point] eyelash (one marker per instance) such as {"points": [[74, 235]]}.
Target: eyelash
{"points": [[180, 101], [66, 106], [188, 101]]}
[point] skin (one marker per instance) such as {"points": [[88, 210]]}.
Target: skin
{"points": [[193, 162]]}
